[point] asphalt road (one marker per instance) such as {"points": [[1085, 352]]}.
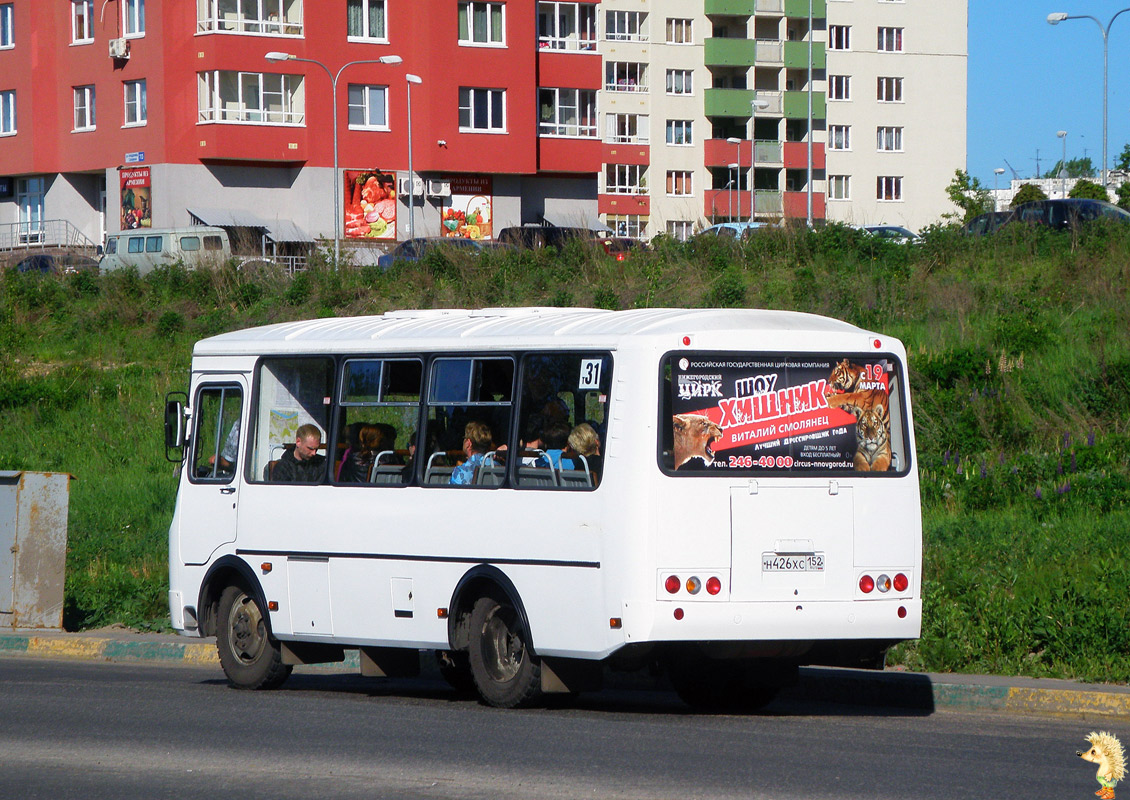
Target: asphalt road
{"points": [[88, 730]]}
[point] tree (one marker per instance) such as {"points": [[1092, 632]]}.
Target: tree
{"points": [[1075, 168], [1028, 193], [1088, 190], [1123, 160], [969, 195], [1124, 196]]}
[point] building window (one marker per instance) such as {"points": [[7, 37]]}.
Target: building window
{"points": [[889, 138], [482, 109], [889, 90], [839, 137], [839, 37], [84, 108], [134, 13], [567, 112], [368, 107], [7, 29], [8, 112], [82, 21], [272, 17], [631, 225], [29, 197], [367, 19], [680, 81], [135, 103], [888, 188], [625, 26], [679, 31], [839, 187], [226, 96], [567, 26], [679, 132], [625, 76], [679, 183], [681, 229], [625, 179], [890, 40], [839, 87], [481, 23], [628, 128]]}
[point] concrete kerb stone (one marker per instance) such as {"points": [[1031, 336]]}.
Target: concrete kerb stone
{"points": [[891, 689]]}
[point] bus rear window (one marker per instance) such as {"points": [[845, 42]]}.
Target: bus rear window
{"points": [[756, 413]]}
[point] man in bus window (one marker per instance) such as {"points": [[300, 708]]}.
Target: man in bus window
{"points": [[302, 463], [477, 442]]}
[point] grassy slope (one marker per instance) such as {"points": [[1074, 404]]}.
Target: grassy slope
{"points": [[1019, 365]]}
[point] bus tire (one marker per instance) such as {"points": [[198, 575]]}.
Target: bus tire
{"points": [[250, 656], [506, 672]]}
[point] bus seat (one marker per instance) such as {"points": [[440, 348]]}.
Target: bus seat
{"points": [[436, 470], [269, 470], [537, 476], [576, 478]]}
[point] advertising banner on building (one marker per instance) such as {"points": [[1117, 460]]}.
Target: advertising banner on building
{"points": [[370, 205], [810, 413], [468, 213], [136, 198]]}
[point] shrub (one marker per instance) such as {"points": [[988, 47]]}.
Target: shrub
{"points": [[1028, 193]]}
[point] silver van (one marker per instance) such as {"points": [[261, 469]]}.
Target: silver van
{"points": [[147, 249]]}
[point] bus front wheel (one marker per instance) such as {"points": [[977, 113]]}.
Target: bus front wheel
{"points": [[506, 673], [249, 655]]}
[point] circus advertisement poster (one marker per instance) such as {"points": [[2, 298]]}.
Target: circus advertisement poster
{"points": [[776, 414], [136, 197], [469, 213], [370, 205]]}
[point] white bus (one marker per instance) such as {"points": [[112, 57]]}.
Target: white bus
{"points": [[752, 504]]}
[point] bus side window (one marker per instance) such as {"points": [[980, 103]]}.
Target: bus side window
{"points": [[291, 392], [377, 421], [469, 405], [215, 442]]}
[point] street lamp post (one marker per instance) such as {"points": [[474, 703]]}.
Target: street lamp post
{"points": [[731, 173], [277, 56], [411, 79], [1060, 16], [996, 174], [754, 105], [1063, 164], [738, 144]]}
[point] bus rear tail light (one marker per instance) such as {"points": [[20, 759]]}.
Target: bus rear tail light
{"points": [[883, 583], [713, 585], [672, 584], [694, 585], [901, 582], [866, 584]]}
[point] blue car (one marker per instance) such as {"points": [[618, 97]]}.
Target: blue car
{"points": [[415, 249]]}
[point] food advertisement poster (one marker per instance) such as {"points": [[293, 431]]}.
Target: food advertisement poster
{"points": [[136, 195], [468, 213], [370, 205], [767, 414]]}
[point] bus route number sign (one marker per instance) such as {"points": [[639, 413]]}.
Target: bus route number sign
{"points": [[590, 374], [794, 562]]}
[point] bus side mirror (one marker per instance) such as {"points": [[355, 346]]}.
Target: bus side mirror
{"points": [[175, 425]]}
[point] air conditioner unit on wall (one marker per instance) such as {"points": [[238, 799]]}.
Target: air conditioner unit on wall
{"points": [[439, 188], [119, 48], [416, 190]]}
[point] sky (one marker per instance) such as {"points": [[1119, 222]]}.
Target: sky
{"points": [[1028, 79]]}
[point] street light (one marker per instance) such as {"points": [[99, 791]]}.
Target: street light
{"points": [[411, 79], [1063, 164], [1058, 17], [996, 174], [738, 143], [277, 56], [732, 170], [755, 104]]}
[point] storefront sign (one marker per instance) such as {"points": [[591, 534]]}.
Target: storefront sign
{"points": [[370, 205], [136, 197], [468, 213]]}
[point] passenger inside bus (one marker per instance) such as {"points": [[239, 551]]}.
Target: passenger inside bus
{"points": [[302, 463], [556, 439], [477, 442], [358, 459], [585, 441]]}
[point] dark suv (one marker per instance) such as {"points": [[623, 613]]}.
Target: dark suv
{"points": [[1064, 214], [535, 236]]}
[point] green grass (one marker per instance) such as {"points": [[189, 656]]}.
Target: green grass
{"points": [[1020, 371]]}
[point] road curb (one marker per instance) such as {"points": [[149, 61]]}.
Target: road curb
{"points": [[905, 690]]}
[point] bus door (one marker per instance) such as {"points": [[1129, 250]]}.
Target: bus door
{"points": [[209, 500]]}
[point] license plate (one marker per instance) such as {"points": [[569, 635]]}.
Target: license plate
{"points": [[799, 562]]}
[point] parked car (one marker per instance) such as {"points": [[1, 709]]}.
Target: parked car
{"points": [[148, 248], [895, 233], [537, 236], [416, 249], [986, 223], [733, 230], [621, 247], [65, 263], [1066, 213]]}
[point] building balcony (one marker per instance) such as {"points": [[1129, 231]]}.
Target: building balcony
{"points": [[570, 155], [253, 143], [624, 204], [576, 70], [720, 52], [796, 155], [770, 52], [799, 8], [796, 105], [738, 103], [770, 7], [796, 55], [626, 154], [719, 152], [796, 205], [730, 8], [734, 203]]}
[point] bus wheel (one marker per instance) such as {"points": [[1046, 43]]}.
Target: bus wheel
{"points": [[455, 668], [251, 658], [506, 673]]}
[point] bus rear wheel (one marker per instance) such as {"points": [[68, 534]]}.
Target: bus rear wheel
{"points": [[249, 655], [506, 673]]}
